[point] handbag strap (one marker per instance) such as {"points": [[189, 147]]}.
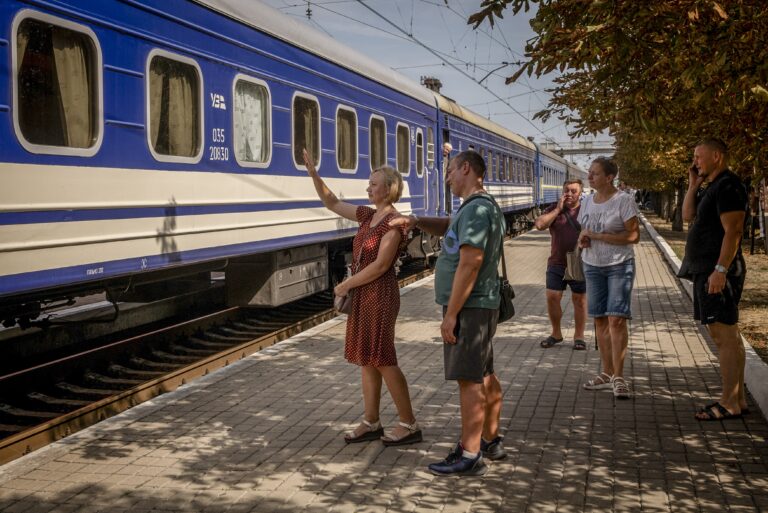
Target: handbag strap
{"points": [[576, 226]]}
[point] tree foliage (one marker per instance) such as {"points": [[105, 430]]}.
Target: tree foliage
{"points": [[657, 75]]}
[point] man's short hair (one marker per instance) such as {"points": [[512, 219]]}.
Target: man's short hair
{"points": [[476, 162], [608, 166], [714, 143], [574, 180]]}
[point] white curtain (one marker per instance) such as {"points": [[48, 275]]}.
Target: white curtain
{"points": [[310, 132], [74, 88], [182, 116], [250, 127], [155, 105], [345, 148]]}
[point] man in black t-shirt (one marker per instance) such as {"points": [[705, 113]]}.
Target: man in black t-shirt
{"points": [[713, 261]]}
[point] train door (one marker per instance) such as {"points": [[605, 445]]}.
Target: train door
{"points": [[431, 177], [446, 197]]}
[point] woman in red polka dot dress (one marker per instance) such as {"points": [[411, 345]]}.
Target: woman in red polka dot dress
{"points": [[370, 341]]}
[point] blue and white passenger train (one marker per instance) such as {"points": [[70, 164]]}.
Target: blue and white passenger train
{"points": [[146, 140]]}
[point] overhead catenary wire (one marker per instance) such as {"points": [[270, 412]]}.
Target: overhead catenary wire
{"points": [[456, 68]]}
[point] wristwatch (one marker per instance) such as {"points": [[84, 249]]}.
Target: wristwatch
{"points": [[721, 269]]}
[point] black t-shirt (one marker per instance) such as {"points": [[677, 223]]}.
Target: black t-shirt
{"points": [[705, 236]]}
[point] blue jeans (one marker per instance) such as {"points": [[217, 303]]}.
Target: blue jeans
{"points": [[609, 289]]}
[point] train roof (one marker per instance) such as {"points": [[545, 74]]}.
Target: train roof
{"points": [[271, 21], [553, 155], [447, 105]]}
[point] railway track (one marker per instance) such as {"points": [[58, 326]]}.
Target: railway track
{"points": [[52, 400]]}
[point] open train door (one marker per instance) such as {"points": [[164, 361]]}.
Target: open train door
{"points": [[446, 199], [431, 177]]}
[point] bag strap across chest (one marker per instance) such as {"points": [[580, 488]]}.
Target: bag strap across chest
{"points": [[490, 198]]}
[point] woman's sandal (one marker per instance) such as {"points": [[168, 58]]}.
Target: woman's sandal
{"points": [[579, 345], [621, 388], [603, 381], [413, 436], [373, 432]]}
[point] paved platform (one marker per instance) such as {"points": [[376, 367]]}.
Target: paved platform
{"points": [[265, 434]]}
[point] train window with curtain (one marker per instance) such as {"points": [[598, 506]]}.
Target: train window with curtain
{"points": [[58, 87], [377, 142], [419, 152], [491, 171], [503, 167], [306, 129], [175, 113], [403, 149], [430, 147], [346, 139], [252, 113]]}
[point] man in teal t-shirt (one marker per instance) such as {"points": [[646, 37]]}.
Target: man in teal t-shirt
{"points": [[467, 285]]}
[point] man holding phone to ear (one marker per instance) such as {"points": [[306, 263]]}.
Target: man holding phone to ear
{"points": [[713, 261]]}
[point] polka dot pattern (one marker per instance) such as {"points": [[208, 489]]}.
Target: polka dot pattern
{"points": [[371, 325]]}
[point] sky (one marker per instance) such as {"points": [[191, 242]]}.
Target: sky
{"points": [[421, 38]]}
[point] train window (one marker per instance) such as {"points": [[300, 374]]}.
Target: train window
{"points": [[403, 149], [252, 122], [175, 107], [58, 86], [377, 153], [491, 167], [306, 129], [346, 139], [419, 152], [430, 147]]}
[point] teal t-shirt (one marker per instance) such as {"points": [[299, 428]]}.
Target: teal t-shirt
{"points": [[479, 223]]}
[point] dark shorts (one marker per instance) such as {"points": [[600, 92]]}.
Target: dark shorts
{"points": [[722, 307], [555, 281], [471, 357]]}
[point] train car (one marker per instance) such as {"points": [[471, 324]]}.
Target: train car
{"points": [[509, 157], [551, 171], [574, 172], [146, 140]]}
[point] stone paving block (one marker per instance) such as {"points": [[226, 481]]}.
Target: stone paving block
{"points": [[265, 433]]}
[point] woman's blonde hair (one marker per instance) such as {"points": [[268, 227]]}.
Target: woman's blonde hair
{"points": [[393, 180]]}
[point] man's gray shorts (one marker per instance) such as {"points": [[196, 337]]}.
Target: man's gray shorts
{"points": [[471, 357]]}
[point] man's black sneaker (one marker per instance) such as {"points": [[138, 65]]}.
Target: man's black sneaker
{"points": [[493, 450], [457, 465]]}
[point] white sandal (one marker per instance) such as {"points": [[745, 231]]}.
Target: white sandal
{"points": [[413, 436], [602, 381], [621, 388], [373, 432]]}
